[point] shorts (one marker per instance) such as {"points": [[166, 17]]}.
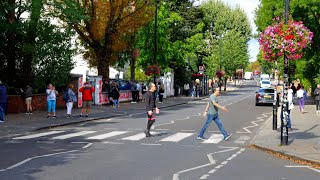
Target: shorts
{"points": [[28, 100], [86, 104]]}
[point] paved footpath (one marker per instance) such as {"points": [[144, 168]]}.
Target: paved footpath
{"points": [[304, 139]]}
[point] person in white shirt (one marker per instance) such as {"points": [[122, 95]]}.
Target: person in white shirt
{"points": [[186, 88], [302, 97]]}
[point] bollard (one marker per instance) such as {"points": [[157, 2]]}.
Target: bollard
{"points": [[275, 116]]}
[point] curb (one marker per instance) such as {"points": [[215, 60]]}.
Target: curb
{"points": [[98, 118], [285, 156]]}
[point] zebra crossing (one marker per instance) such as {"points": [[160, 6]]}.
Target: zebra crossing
{"points": [[125, 135]]}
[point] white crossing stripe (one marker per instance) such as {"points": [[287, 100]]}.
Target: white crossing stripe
{"points": [[139, 136], [177, 137], [108, 135], [81, 133], [38, 135], [214, 139]]}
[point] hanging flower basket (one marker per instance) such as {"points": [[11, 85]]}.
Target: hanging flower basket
{"points": [[152, 70], [281, 38]]}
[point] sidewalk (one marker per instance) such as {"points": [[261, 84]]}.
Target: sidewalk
{"points": [[304, 139], [20, 123]]}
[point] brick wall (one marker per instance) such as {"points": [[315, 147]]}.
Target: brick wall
{"points": [[16, 103]]}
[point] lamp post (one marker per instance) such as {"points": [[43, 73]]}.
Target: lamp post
{"points": [[155, 37], [285, 103], [220, 49]]}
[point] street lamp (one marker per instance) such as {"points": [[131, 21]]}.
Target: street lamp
{"points": [[285, 103], [220, 49], [155, 37]]}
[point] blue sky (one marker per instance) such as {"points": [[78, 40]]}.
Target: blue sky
{"points": [[248, 6]]}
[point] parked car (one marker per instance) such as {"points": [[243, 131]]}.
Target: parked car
{"points": [[122, 84], [265, 84], [265, 96]]}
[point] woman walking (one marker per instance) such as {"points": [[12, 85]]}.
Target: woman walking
{"points": [[116, 95], [51, 100], [161, 92], [302, 97], [71, 99], [28, 99]]}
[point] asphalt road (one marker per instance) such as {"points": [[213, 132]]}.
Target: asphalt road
{"points": [[116, 149]]}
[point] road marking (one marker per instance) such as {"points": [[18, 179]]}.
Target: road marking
{"points": [[108, 135], [227, 149], [213, 139], [171, 122], [106, 142], [187, 130], [38, 135], [259, 119], [147, 144], [308, 167], [177, 137], [205, 176], [81, 133], [242, 139], [139, 136]]}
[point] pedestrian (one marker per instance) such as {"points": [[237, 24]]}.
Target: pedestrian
{"points": [[302, 97], [151, 107], [72, 98], [161, 93], [133, 92], [299, 86], [290, 107], [28, 99], [3, 101], [317, 98], [186, 88], [108, 89], [115, 95], [138, 89], [86, 91], [211, 112], [198, 89], [51, 100], [143, 92], [193, 87], [294, 89]]}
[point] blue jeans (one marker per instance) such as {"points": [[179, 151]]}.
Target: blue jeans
{"points": [[115, 102], [2, 109], [51, 105], [216, 119]]}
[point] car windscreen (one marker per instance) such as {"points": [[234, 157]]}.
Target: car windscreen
{"points": [[266, 91], [265, 82]]}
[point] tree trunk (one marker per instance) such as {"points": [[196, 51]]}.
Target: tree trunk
{"points": [[225, 83], [103, 58], [132, 66]]}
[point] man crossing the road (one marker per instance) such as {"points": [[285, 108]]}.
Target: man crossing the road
{"points": [[150, 107], [212, 115]]}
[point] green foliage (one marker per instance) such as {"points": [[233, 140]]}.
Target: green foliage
{"points": [[139, 75]]}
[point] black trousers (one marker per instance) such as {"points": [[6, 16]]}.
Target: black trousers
{"points": [[318, 105], [160, 97], [150, 122], [133, 93], [137, 96]]}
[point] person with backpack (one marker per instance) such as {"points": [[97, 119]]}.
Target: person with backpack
{"points": [[28, 98], [51, 100], [69, 97], [86, 91], [115, 95]]}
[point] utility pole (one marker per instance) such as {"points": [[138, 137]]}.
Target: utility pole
{"points": [[220, 74], [155, 38]]}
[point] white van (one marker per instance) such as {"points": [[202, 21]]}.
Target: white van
{"points": [[264, 77], [248, 75]]}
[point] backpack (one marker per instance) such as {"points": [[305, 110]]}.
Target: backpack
{"points": [[65, 97]]}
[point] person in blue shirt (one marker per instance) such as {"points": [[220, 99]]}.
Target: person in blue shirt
{"points": [[3, 101]]}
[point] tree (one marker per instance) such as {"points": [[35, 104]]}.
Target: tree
{"points": [[103, 26]]}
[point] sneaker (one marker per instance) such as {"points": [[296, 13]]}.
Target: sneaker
{"points": [[30, 113], [1, 121], [226, 138], [80, 115], [147, 133], [48, 116], [87, 115], [27, 113], [201, 138], [53, 117]]}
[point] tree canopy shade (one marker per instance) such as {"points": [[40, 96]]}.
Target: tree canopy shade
{"points": [[104, 25]]}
